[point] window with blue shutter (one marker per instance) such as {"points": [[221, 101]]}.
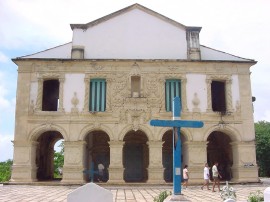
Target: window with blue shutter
{"points": [[172, 89], [97, 95]]}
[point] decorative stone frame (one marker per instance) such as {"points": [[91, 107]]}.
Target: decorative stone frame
{"points": [[183, 80], [48, 76], [87, 79], [228, 91]]}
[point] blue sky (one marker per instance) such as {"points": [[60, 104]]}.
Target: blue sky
{"points": [[239, 27]]}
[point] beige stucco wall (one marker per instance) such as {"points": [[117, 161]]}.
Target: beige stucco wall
{"points": [[124, 113]]}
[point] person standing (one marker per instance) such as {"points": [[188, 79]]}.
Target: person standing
{"points": [[206, 176], [215, 176], [100, 172], [185, 176]]}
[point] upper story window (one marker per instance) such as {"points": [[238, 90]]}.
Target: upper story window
{"points": [[97, 95], [50, 97], [172, 90], [218, 96], [135, 86]]}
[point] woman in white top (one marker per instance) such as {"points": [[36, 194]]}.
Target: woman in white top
{"points": [[185, 176], [206, 176]]}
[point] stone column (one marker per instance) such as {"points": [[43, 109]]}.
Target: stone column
{"points": [[195, 156], [39, 95], [24, 167], [108, 94], [162, 94], [228, 92], [155, 169], [116, 169], [244, 168], [61, 95], [209, 96], [74, 164], [86, 95]]}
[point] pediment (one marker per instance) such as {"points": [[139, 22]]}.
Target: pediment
{"points": [[132, 33]]}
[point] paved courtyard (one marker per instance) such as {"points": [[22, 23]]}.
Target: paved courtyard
{"points": [[33, 193]]}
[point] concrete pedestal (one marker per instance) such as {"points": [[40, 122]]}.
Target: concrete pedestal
{"points": [[176, 198]]}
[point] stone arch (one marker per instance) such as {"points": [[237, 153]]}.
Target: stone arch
{"points": [[36, 132], [233, 133], [167, 150], [142, 128], [89, 128], [97, 154], [184, 131], [45, 136], [135, 156], [219, 149]]}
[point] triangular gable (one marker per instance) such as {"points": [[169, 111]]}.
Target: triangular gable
{"points": [[124, 10], [132, 33]]}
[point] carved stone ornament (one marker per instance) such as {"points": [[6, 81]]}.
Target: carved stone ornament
{"points": [[135, 70], [75, 101], [32, 107], [196, 102]]}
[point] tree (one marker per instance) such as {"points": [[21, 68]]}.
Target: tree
{"points": [[5, 170], [59, 161], [262, 130]]}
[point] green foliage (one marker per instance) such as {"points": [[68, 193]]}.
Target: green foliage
{"points": [[162, 196], [262, 130], [59, 161], [255, 196], [5, 170]]}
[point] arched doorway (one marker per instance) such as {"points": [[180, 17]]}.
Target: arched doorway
{"points": [[219, 150], [45, 155], [97, 154], [167, 154], [135, 157]]}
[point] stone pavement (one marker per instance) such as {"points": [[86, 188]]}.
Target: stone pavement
{"points": [[34, 193]]}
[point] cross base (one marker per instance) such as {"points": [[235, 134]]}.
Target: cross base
{"points": [[176, 198]]}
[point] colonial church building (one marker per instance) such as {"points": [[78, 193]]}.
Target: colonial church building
{"points": [[98, 93]]}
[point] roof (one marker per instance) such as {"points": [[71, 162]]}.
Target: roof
{"points": [[63, 52], [207, 54]]}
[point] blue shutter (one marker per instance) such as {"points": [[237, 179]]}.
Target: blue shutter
{"points": [[172, 90], [97, 99]]}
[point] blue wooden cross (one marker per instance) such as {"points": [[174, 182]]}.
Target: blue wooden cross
{"points": [[176, 123], [91, 172]]}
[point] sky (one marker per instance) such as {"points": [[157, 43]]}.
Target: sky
{"points": [[238, 27]]}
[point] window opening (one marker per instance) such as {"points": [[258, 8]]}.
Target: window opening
{"points": [[97, 95], [135, 86], [218, 96], [50, 95], [172, 90]]}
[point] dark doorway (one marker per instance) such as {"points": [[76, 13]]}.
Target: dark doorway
{"points": [[50, 95], [45, 155], [220, 150], [136, 157], [167, 155], [98, 154]]}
